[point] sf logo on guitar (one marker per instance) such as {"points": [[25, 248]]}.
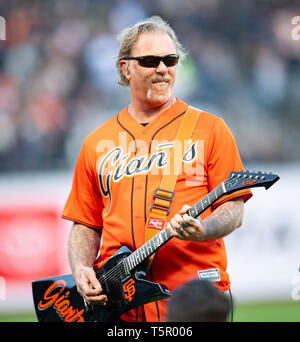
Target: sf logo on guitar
{"points": [[129, 289]]}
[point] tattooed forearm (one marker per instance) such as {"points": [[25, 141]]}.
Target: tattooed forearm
{"points": [[225, 219], [83, 246]]}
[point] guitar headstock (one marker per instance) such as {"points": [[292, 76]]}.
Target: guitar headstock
{"points": [[248, 179]]}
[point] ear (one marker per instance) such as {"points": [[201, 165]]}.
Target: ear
{"points": [[124, 65]]}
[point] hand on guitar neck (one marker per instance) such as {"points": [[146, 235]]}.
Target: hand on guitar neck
{"points": [[223, 220]]}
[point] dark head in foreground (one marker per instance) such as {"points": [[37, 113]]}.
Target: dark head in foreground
{"points": [[198, 301]]}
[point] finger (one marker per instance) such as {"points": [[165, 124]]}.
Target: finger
{"points": [[96, 300], [179, 219], [184, 209], [175, 224], [189, 221], [88, 283], [94, 296], [94, 282], [90, 295], [172, 230], [92, 292]]}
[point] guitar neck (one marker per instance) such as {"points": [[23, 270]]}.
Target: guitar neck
{"points": [[147, 249], [206, 201], [158, 240]]}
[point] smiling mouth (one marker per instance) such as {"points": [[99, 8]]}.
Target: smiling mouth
{"points": [[160, 82]]}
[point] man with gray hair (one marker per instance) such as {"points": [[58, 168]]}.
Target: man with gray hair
{"points": [[120, 192]]}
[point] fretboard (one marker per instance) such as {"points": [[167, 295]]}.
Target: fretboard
{"points": [[206, 201], [158, 240]]}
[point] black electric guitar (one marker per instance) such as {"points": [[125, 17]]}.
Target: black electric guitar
{"points": [[122, 277]]}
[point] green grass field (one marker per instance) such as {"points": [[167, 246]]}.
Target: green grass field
{"points": [[268, 312], [252, 312]]}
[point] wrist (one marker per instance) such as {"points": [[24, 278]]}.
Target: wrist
{"points": [[204, 229]]}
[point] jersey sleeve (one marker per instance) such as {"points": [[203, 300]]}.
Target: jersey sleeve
{"points": [[224, 157], [84, 204]]}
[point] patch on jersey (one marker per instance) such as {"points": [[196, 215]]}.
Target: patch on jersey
{"points": [[156, 223], [212, 274]]}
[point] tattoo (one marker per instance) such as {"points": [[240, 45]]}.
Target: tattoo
{"points": [[83, 246], [224, 220]]}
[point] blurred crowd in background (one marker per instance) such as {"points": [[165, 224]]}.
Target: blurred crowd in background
{"points": [[58, 80]]}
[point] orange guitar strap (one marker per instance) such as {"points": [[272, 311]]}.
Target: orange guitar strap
{"points": [[163, 196]]}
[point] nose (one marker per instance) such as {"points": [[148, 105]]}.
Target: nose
{"points": [[162, 68]]}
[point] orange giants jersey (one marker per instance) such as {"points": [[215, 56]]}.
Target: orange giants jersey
{"points": [[118, 170]]}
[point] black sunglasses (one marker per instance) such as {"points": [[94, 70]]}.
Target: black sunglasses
{"points": [[153, 61]]}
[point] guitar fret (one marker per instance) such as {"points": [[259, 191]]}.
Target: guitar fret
{"points": [[137, 258], [164, 235], [151, 245], [200, 202], [193, 211], [128, 260], [131, 262], [206, 201], [142, 252], [156, 244], [126, 266]]}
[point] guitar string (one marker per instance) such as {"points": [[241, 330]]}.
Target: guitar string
{"points": [[117, 271], [119, 268], [114, 273], [218, 191]]}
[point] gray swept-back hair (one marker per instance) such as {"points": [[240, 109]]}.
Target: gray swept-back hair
{"points": [[129, 36]]}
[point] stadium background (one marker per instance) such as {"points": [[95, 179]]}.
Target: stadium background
{"points": [[57, 83]]}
